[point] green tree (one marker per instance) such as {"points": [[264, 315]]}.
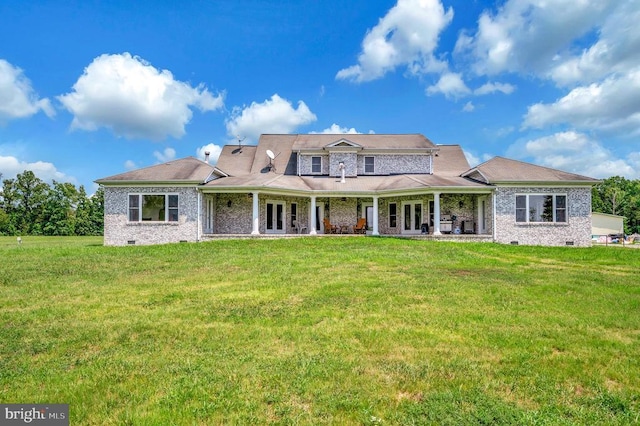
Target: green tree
{"points": [[59, 214], [30, 196]]}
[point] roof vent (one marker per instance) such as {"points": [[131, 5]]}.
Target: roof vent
{"points": [[206, 156]]}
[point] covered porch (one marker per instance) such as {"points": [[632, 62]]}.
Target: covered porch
{"points": [[451, 214]]}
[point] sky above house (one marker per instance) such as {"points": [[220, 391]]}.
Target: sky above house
{"points": [[92, 89]]}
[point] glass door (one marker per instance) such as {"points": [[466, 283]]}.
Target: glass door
{"points": [[275, 217], [411, 217]]}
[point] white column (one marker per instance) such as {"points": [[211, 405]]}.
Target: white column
{"points": [[256, 215], [436, 214], [312, 215], [375, 217]]}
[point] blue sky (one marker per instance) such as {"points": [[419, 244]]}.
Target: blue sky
{"points": [[89, 89]]}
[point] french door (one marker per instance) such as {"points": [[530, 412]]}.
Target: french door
{"points": [[275, 217], [411, 217]]}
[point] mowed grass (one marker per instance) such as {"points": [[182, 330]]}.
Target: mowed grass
{"points": [[321, 331]]}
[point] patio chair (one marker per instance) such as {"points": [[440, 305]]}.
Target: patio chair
{"points": [[329, 228], [361, 226], [299, 228]]}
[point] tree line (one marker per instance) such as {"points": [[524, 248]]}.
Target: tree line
{"points": [[620, 196], [30, 206]]}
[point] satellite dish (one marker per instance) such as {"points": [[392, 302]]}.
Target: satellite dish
{"points": [[270, 154]]}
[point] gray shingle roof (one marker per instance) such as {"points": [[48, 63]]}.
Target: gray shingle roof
{"points": [[502, 170], [184, 170]]}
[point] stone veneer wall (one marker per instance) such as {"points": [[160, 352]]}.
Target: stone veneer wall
{"points": [[119, 231], [354, 164], [576, 230], [396, 164], [305, 164]]}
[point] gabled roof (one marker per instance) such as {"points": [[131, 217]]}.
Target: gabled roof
{"points": [[505, 170], [365, 141], [184, 170], [450, 161]]}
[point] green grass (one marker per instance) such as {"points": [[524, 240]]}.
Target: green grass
{"points": [[321, 331]]}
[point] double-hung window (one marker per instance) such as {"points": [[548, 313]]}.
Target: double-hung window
{"points": [[369, 164], [540, 208], [153, 207], [316, 164]]}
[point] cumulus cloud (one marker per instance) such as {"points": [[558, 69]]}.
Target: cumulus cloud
{"points": [[613, 105], [275, 115], [17, 97], [468, 107], [527, 36], [406, 36], [130, 165], [213, 150], [489, 88], [578, 153], [334, 129], [167, 155], [133, 99], [12, 166], [450, 85]]}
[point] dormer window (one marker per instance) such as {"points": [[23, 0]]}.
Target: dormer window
{"points": [[316, 165], [369, 164]]}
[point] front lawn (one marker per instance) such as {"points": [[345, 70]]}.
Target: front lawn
{"points": [[321, 331]]}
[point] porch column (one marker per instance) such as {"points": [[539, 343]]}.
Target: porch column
{"points": [[375, 217], [436, 214], [312, 215], [256, 215]]}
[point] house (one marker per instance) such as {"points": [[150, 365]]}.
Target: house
{"points": [[402, 185]]}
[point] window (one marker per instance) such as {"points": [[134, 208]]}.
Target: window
{"points": [[153, 207], [369, 164], [540, 208], [316, 164], [393, 215]]}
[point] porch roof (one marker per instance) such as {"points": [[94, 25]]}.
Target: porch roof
{"points": [[332, 185]]}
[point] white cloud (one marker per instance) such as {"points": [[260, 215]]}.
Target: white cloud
{"points": [[133, 99], [334, 129], [578, 153], [17, 97], [275, 115], [471, 159], [613, 105], [130, 165], [406, 36], [527, 36], [489, 88], [167, 155], [11, 167], [468, 107], [213, 150], [450, 85]]}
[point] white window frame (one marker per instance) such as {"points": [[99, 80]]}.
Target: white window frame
{"points": [[167, 209], [554, 208], [372, 165], [312, 170]]}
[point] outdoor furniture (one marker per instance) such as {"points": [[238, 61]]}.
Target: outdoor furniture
{"points": [[361, 226], [300, 229], [328, 227]]}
